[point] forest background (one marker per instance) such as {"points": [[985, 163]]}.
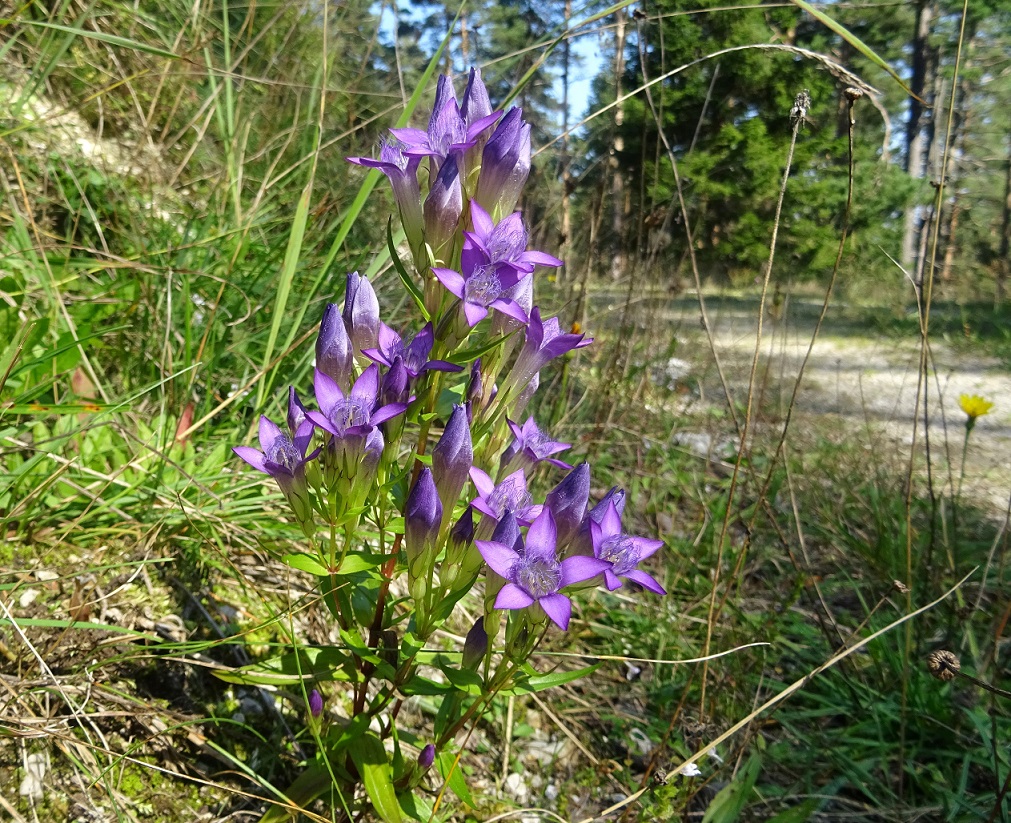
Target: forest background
{"points": [[176, 209]]}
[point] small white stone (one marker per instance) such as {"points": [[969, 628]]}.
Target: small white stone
{"points": [[35, 773], [515, 786], [27, 597], [45, 574]]}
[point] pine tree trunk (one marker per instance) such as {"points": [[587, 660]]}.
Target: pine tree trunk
{"points": [[617, 178], [1004, 251], [920, 81], [563, 159]]}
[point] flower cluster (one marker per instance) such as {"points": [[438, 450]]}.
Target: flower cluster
{"points": [[412, 460]]}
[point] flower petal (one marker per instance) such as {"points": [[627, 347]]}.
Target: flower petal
{"points": [[542, 536], [253, 457], [511, 596], [366, 387], [578, 568], [452, 280], [484, 484], [559, 608], [498, 556], [328, 393], [611, 580], [647, 581]]}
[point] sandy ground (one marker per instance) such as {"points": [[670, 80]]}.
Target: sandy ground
{"points": [[855, 379]]}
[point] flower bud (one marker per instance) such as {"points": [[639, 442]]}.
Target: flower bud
{"points": [[567, 502], [443, 208], [361, 312], [505, 165], [462, 533], [475, 388], [422, 517], [315, 704], [475, 646], [452, 458], [426, 757], [333, 348]]}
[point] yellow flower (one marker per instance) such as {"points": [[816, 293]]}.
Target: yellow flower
{"points": [[974, 406]]}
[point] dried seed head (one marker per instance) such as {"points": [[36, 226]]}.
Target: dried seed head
{"points": [[943, 665], [853, 93], [900, 587]]}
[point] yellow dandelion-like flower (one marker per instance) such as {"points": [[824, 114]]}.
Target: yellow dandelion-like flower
{"points": [[974, 406]]}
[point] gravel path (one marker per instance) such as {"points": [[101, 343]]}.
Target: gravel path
{"points": [[853, 379]]}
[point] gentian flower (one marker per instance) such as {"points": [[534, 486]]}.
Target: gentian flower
{"points": [[284, 458], [443, 208], [350, 419], [334, 353], [520, 403], [452, 459], [361, 312], [402, 172], [537, 575], [510, 495], [426, 757], [414, 354], [622, 552], [483, 288], [544, 342], [422, 516], [297, 411], [531, 445], [568, 501], [502, 244], [447, 129], [582, 542], [315, 704], [505, 165], [475, 646]]}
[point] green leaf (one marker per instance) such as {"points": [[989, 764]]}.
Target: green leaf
{"points": [[409, 284], [450, 771], [731, 800], [463, 679], [541, 682], [288, 267], [800, 813], [307, 787], [111, 39], [415, 807], [310, 663], [360, 562], [369, 757], [305, 563]]}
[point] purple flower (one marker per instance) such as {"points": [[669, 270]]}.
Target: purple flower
{"points": [[361, 312], [426, 757], [443, 208], [475, 646], [414, 354], [284, 459], [510, 495], [297, 411], [582, 543], [544, 342], [622, 552], [452, 459], [504, 244], [567, 502], [505, 165], [476, 104], [537, 575], [315, 704], [402, 172], [483, 288], [334, 353], [350, 419], [422, 516], [531, 446], [521, 402], [447, 129]]}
